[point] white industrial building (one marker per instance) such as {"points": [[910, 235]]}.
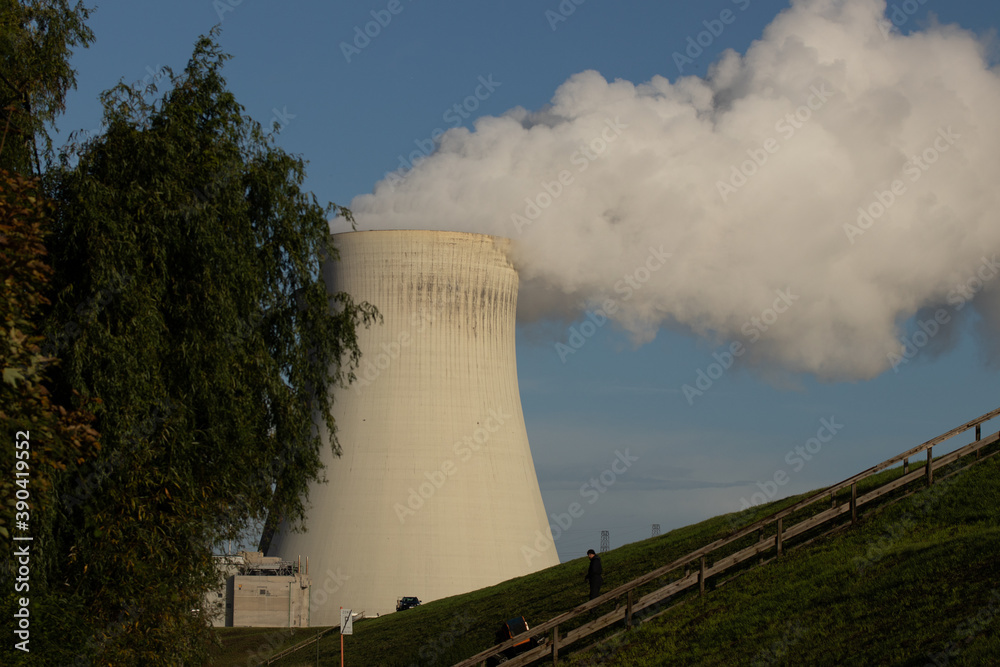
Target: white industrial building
{"points": [[259, 591], [435, 493]]}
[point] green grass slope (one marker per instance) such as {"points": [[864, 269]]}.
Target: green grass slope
{"points": [[917, 581], [248, 647]]}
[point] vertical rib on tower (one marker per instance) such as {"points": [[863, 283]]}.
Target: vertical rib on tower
{"points": [[435, 493]]}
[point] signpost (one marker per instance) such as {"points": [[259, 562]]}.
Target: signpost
{"points": [[346, 628]]}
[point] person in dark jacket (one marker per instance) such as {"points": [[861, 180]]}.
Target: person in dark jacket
{"points": [[594, 573]]}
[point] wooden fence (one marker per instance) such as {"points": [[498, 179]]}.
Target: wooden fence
{"points": [[750, 546], [298, 647]]}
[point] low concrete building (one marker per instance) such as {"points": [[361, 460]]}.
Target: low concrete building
{"points": [[260, 592], [270, 601]]}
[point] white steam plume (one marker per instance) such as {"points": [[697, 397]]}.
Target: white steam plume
{"points": [[752, 180]]}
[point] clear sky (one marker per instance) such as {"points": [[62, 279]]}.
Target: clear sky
{"points": [[358, 106]]}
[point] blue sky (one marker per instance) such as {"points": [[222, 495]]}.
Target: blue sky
{"points": [[354, 111]]}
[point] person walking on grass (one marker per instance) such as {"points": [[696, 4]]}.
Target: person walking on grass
{"points": [[594, 574]]}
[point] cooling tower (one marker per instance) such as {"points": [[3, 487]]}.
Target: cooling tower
{"points": [[435, 493]]}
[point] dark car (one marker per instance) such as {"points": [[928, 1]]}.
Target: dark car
{"points": [[510, 629], [406, 603]]}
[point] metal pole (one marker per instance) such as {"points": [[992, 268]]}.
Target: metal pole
{"points": [[777, 540], [930, 466]]}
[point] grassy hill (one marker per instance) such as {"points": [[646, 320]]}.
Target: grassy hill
{"points": [[916, 582]]}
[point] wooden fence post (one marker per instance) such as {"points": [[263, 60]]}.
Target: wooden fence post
{"points": [[628, 611], [701, 577], [777, 539], [760, 534], [930, 466], [906, 465], [978, 451], [555, 645], [854, 503]]}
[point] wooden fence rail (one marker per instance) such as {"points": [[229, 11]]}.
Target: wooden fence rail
{"points": [[301, 645], [694, 569]]}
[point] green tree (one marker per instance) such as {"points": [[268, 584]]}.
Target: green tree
{"points": [[36, 41], [190, 300], [57, 438], [49, 441]]}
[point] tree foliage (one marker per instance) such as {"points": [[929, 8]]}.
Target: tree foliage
{"points": [[60, 441], [36, 41], [189, 299]]}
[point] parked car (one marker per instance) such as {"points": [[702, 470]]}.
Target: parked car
{"points": [[406, 603], [510, 629]]}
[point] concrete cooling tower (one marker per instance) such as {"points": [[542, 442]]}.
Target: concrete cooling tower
{"points": [[435, 493]]}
